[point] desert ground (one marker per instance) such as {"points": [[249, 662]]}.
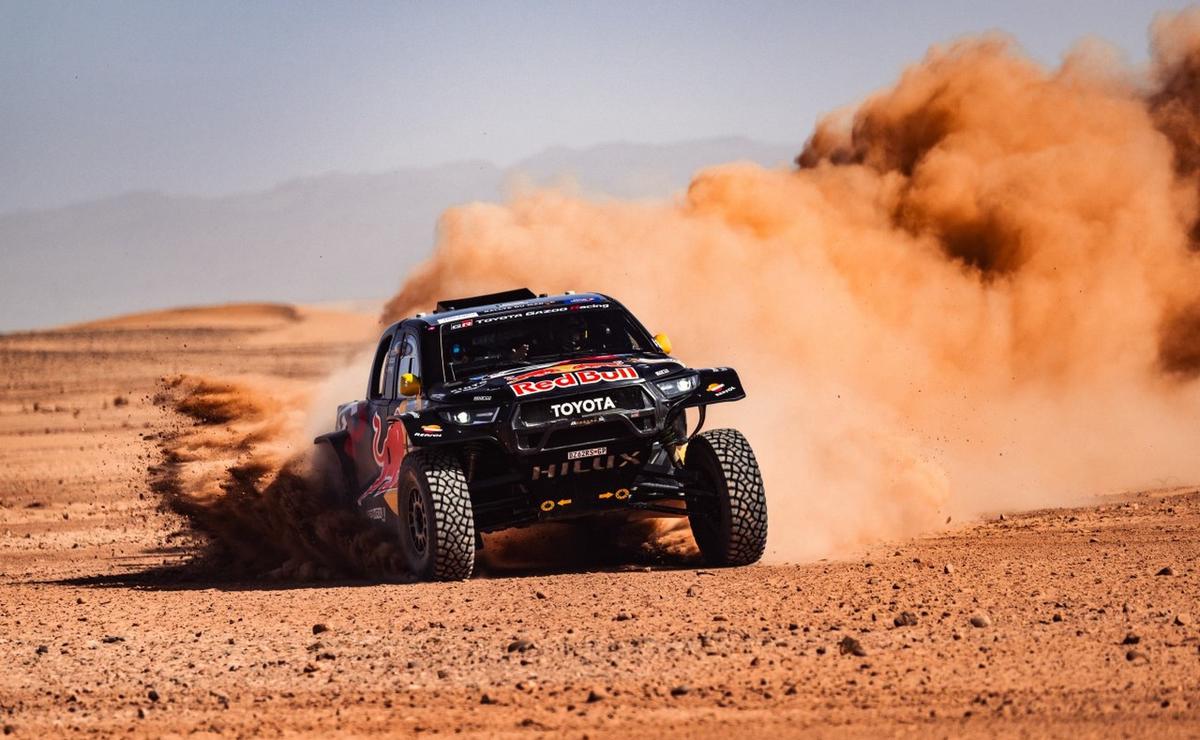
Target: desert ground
{"points": [[1046, 623]]}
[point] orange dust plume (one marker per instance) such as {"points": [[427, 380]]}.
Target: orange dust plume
{"points": [[978, 291], [229, 464]]}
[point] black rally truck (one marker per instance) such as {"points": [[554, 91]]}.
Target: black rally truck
{"points": [[509, 409]]}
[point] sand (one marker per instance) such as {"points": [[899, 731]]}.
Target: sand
{"points": [[109, 626]]}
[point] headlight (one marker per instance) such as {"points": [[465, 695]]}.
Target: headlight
{"points": [[467, 417], [677, 386]]}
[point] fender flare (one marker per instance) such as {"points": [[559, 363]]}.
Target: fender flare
{"points": [[337, 442]]}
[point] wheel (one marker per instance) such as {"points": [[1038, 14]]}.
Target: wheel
{"points": [[728, 507], [437, 525], [332, 489]]}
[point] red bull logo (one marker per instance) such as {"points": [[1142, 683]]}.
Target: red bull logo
{"points": [[569, 378]]}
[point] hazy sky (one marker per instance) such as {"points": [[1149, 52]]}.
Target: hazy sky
{"points": [[209, 97]]}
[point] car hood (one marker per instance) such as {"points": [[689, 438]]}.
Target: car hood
{"points": [[550, 379]]}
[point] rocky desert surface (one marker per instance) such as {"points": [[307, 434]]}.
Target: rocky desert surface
{"points": [[1080, 622]]}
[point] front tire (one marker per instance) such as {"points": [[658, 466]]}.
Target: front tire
{"points": [[728, 509], [437, 523]]}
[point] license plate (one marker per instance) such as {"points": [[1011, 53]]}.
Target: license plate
{"points": [[580, 454]]}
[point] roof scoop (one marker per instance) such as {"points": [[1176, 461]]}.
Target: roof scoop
{"points": [[454, 304]]}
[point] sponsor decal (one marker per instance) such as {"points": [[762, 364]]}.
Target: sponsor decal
{"points": [[376, 513], [579, 467], [588, 420], [429, 431], [522, 315], [462, 324], [720, 389], [481, 398], [714, 387], [586, 406], [664, 371], [378, 440], [571, 377], [459, 318], [581, 454], [566, 367]]}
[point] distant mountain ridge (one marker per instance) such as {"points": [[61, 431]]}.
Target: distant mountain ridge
{"points": [[328, 237]]}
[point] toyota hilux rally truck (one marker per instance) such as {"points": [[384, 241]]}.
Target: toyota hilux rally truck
{"points": [[509, 409]]}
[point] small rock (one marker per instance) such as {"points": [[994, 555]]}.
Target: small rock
{"points": [[1131, 639], [980, 620], [680, 690], [1183, 619], [486, 699], [110, 639], [851, 646], [693, 591], [520, 645], [905, 619], [1135, 655], [42, 649], [318, 628], [9, 729], [1167, 571], [1056, 618], [622, 617], [539, 595], [948, 569], [152, 695], [595, 695]]}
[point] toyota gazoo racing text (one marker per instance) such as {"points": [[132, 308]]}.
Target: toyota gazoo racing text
{"points": [[509, 409]]}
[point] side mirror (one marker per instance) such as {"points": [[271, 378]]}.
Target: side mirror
{"points": [[410, 385], [664, 342]]}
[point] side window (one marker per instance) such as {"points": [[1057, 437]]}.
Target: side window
{"points": [[410, 361], [378, 383], [389, 372]]}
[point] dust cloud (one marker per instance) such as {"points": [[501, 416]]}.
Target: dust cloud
{"points": [[978, 291], [232, 466]]}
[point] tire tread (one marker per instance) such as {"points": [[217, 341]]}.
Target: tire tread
{"points": [[453, 514]]}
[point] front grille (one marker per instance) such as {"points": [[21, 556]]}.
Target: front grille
{"points": [[627, 398], [590, 434]]}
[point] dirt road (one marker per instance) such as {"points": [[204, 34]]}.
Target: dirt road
{"points": [[1055, 622]]}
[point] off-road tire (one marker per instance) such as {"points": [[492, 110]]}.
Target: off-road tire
{"points": [[329, 477], [730, 522], [449, 546]]}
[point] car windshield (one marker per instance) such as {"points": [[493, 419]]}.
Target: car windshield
{"points": [[491, 343]]}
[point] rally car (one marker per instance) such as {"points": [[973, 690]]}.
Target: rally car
{"points": [[509, 409]]}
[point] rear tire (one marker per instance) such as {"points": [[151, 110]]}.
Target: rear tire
{"points": [[333, 487], [729, 515], [437, 523]]}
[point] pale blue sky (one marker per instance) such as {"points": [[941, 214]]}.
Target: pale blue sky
{"points": [[210, 97]]}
